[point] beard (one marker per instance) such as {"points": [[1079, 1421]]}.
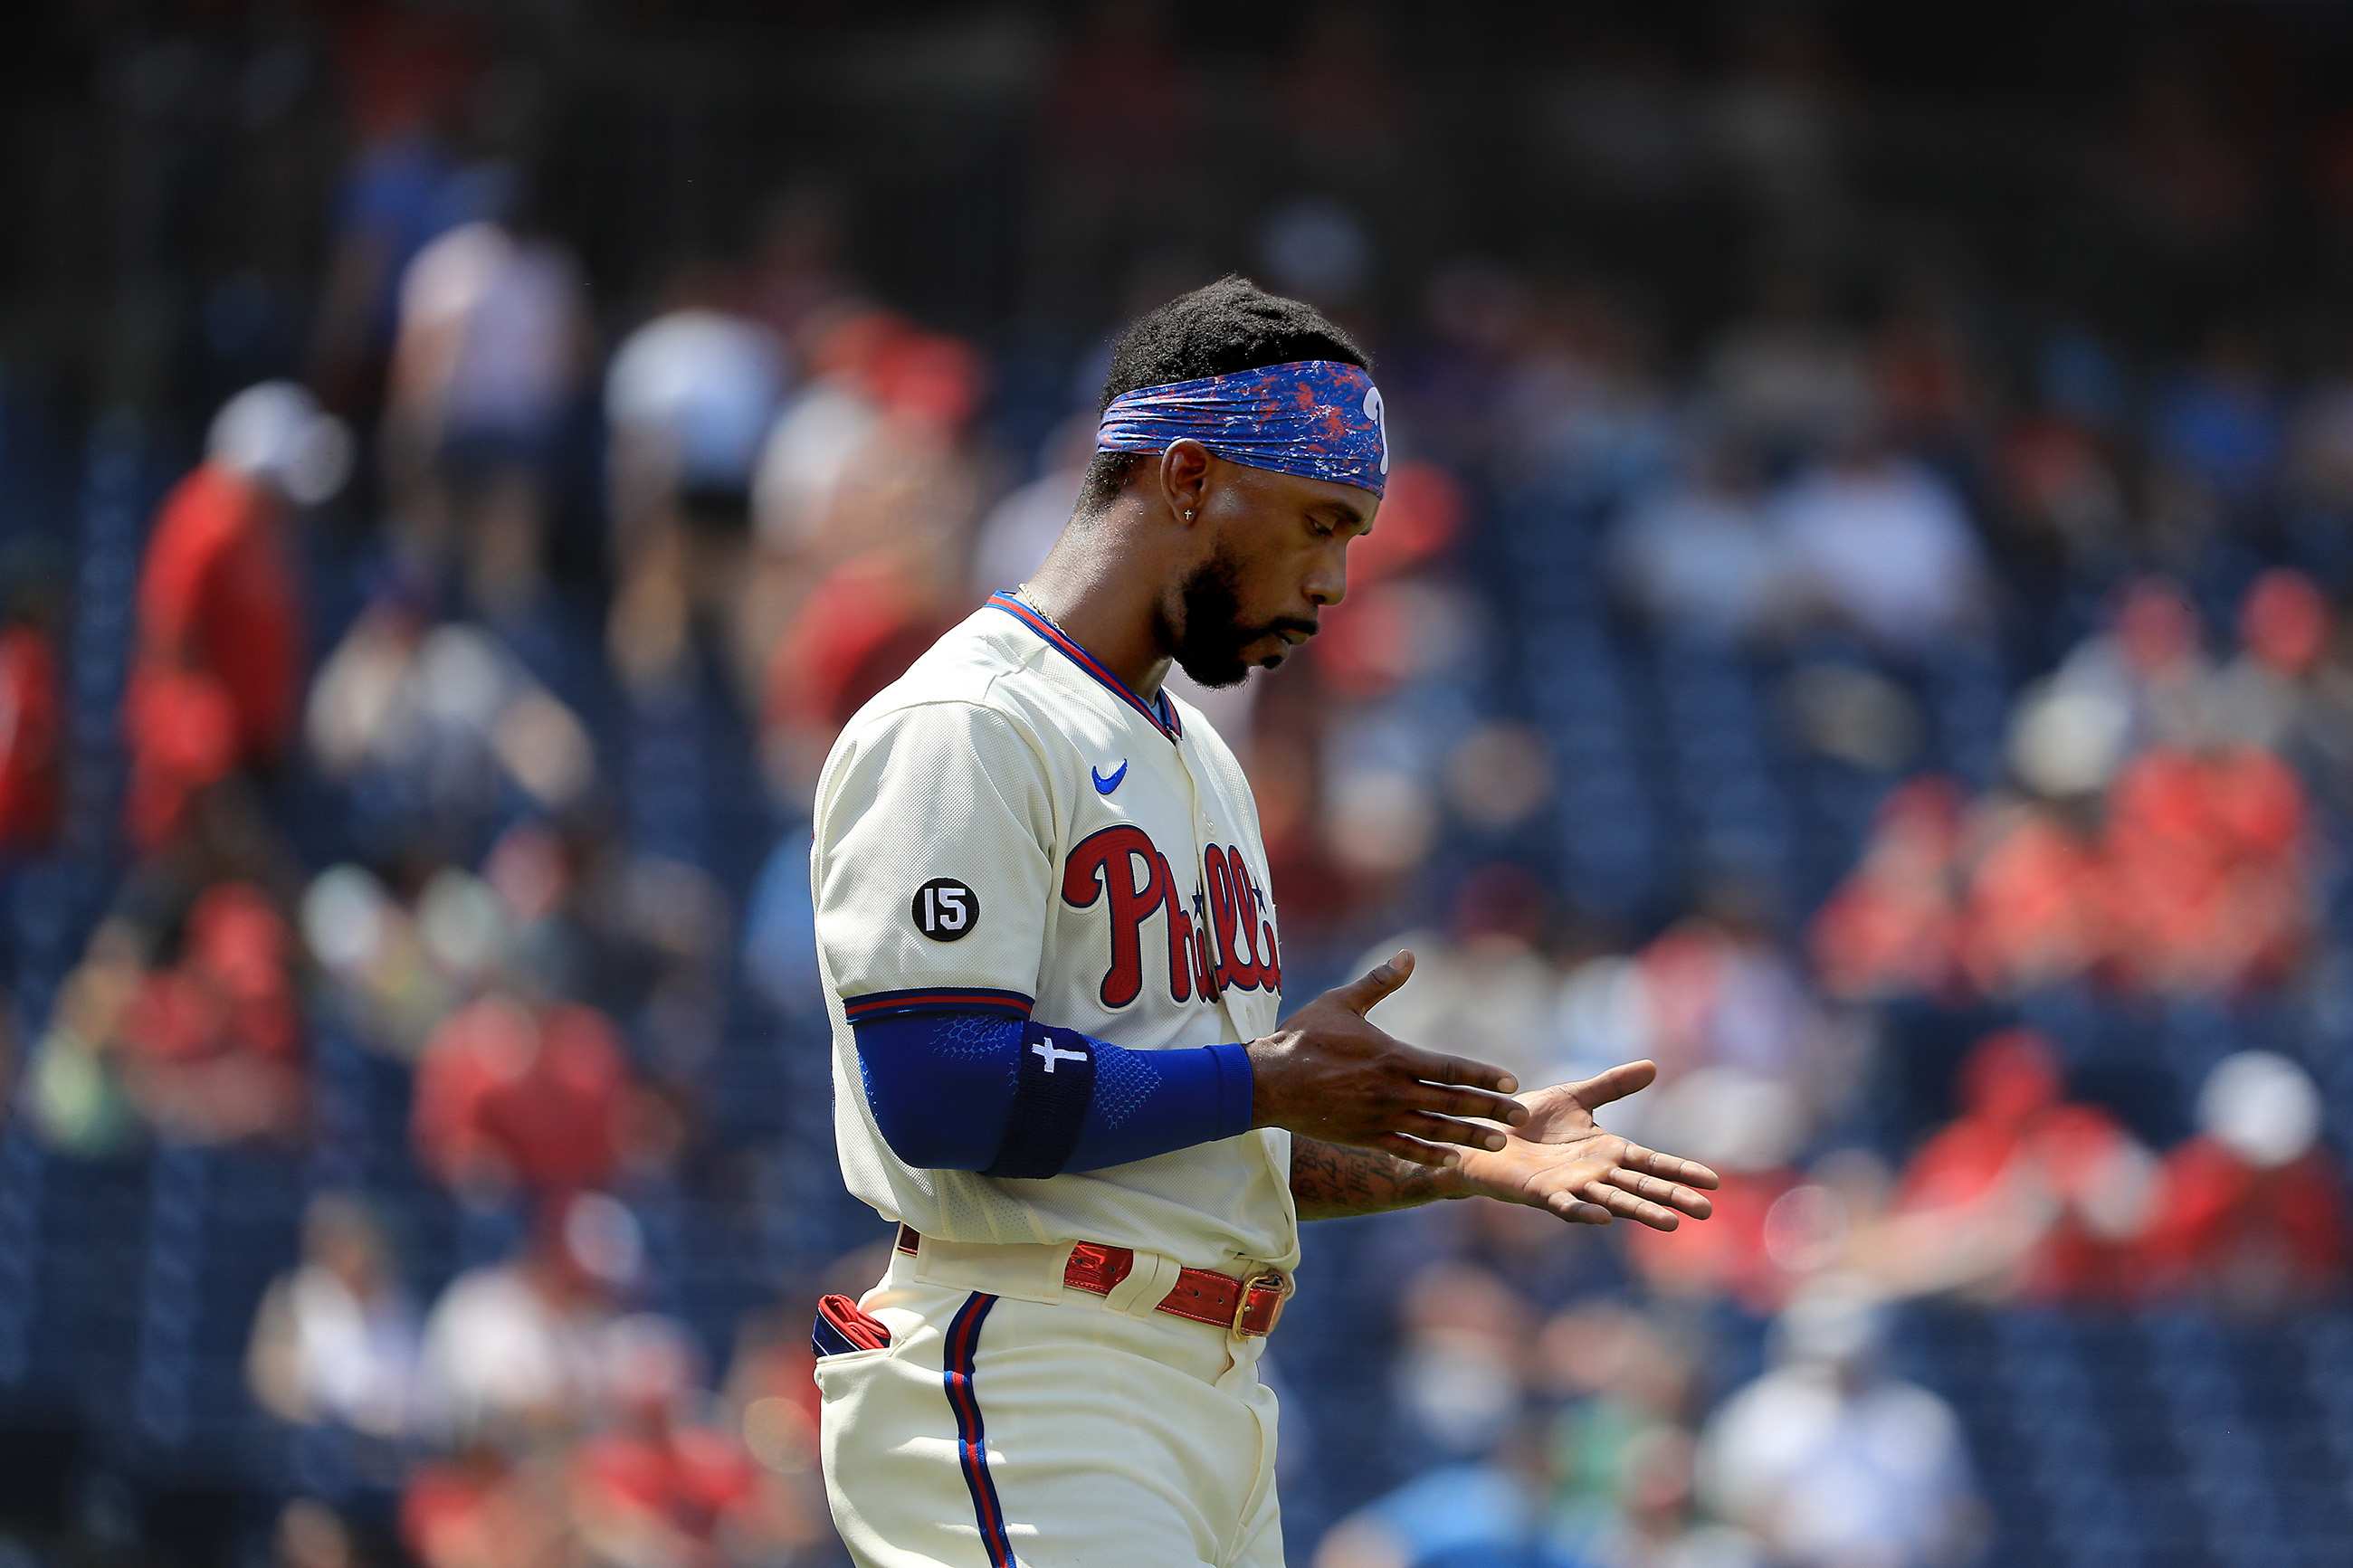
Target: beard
{"points": [[1209, 648]]}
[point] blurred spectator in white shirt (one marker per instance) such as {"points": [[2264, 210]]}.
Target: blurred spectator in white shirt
{"points": [[487, 324], [1882, 543], [1699, 556], [1833, 1462], [689, 402], [2142, 681], [691, 394], [493, 329], [2264, 695], [335, 1339], [515, 1348], [820, 433]]}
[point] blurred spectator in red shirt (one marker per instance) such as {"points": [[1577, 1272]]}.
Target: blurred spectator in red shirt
{"points": [[510, 1095], [861, 628], [213, 1044], [2006, 1081], [1929, 392], [2192, 883], [2251, 1210], [1893, 927], [2033, 908], [1750, 1127], [216, 682], [2100, 1183], [2204, 869], [772, 1395], [29, 784], [658, 1488], [487, 1508], [2022, 1193], [875, 573], [1396, 624]]}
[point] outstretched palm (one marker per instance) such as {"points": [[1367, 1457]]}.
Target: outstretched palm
{"points": [[1558, 1160]]}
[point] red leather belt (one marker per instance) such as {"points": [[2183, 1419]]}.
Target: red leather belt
{"points": [[1249, 1308]]}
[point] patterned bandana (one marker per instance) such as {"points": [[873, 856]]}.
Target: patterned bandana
{"points": [[1317, 417]]}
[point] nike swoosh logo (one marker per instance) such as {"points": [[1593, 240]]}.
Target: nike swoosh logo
{"points": [[1106, 785]]}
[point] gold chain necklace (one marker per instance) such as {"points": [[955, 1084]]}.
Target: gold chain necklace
{"points": [[1022, 594]]}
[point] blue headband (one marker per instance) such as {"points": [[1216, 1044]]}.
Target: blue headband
{"points": [[1316, 418]]}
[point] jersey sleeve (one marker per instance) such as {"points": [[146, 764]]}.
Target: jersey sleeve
{"points": [[932, 865]]}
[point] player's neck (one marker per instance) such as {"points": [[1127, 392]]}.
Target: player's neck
{"points": [[1108, 605]]}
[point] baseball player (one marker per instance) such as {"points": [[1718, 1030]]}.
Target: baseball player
{"points": [[1044, 917]]}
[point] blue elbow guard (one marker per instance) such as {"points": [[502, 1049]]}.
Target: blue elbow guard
{"points": [[970, 1092]]}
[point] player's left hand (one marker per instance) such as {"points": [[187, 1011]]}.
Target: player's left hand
{"points": [[1558, 1160]]}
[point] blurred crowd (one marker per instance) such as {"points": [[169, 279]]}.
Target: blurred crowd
{"points": [[1915, 711]]}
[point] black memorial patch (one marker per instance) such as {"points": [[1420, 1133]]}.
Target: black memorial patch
{"points": [[946, 910]]}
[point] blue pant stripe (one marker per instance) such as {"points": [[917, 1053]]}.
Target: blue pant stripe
{"points": [[972, 1451]]}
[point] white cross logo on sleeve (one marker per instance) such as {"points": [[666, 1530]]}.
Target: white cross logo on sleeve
{"points": [[1047, 1050]]}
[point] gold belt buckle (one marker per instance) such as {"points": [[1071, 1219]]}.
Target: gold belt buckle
{"points": [[1261, 1306]]}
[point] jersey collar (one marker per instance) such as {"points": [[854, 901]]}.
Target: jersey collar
{"points": [[1161, 711]]}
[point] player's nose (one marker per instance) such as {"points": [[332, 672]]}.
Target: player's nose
{"points": [[1327, 583]]}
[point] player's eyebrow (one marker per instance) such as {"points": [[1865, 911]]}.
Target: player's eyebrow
{"points": [[1350, 514]]}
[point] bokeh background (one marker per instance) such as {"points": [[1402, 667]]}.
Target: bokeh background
{"points": [[1860, 619]]}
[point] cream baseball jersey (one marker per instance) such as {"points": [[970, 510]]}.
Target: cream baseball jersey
{"points": [[1009, 827]]}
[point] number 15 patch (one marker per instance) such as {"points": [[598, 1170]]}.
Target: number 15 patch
{"points": [[946, 910]]}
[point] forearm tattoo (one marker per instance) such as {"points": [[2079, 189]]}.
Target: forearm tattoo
{"points": [[1332, 1181]]}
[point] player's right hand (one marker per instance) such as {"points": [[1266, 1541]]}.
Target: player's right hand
{"points": [[1327, 1073]]}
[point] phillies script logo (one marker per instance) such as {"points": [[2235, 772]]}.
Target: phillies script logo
{"points": [[1225, 939]]}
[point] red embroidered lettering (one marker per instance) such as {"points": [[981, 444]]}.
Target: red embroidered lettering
{"points": [[1180, 937], [1237, 967], [1269, 959], [1205, 964], [1105, 861]]}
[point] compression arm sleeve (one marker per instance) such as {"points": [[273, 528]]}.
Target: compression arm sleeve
{"points": [[978, 1092]]}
